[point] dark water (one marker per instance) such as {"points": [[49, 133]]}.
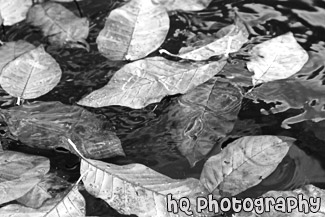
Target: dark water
{"points": [[293, 102]]}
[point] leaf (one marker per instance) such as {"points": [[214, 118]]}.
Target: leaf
{"points": [[137, 189], [49, 124], [234, 36], [308, 192], [244, 163], [60, 25], [184, 5], [278, 58], [14, 11], [44, 190], [203, 116], [140, 83], [31, 75], [19, 173], [71, 204], [133, 31], [11, 50]]}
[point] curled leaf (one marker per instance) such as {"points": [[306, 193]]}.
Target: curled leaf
{"points": [[133, 31], [140, 83]]}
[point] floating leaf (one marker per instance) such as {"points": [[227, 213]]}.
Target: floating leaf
{"points": [[281, 208], [147, 81], [31, 75], [137, 189], [278, 58], [49, 124], [203, 116], [244, 163], [133, 31], [184, 5], [64, 205], [234, 36], [19, 173], [14, 11], [60, 25], [11, 50]]}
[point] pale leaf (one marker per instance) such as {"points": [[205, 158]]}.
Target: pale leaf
{"points": [[244, 163], [137, 189], [278, 58], [140, 83], [133, 31], [71, 204], [14, 11], [31, 75], [184, 5], [61, 26]]}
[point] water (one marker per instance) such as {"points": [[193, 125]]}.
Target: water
{"points": [[144, 133]]}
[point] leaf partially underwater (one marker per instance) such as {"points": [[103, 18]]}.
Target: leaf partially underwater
{"points": [[49, 124], [244, 163], [133, 31], [19, 173], [11, 50], [140, 83], [184, 5], [63, 205], [278, 58], [137, 189], [14, 11], [308, 193], [203, 116], [232, 39], [31, 75], [60, 25]]}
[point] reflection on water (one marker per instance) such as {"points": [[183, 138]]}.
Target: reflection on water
{"points": [[295, 102]]}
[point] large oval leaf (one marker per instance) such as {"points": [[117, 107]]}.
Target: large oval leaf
{"points": [[233, 38], [244, 163], [203, 116], [63, 205], [275, 59], [19, 173], [31, 75], [60, 25], [184, 5], [137, 189], [133, 31], [308, 192], [147, 81], [14, 11], [49, 124], [11, 50]]}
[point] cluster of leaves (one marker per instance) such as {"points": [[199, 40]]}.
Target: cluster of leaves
{"points": [[207, 110]]}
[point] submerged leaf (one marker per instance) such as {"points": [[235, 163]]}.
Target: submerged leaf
{"points": [[14, 11], [244, 163], [140, 83], [31, 75], [184, 5], [137, 189], [275, 59], [234, 36], [281, 208], [64, 205], [11, 50], [133, 31], [19, 173], [60, 25], [203, 116], [49, 124]]}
